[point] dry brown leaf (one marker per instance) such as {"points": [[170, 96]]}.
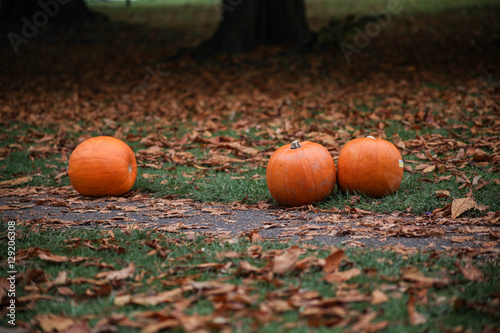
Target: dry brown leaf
{"points": [[494, 234], [415, 276], [129, 208], [354, 199], [218, 159], [14, 182], [51, 322], [365, 325], [278, 305], [332, 262], [416, 318], [460, 206], [169, 296], [379, 297], [255, 237], [254, 251], [61, 278], [470, 271], [338, 277], [481, 207], [52, 257], [248, 268], [480, 155], [121, 274], [443, 211], [65, 291], [443, 178], [429, 169], [286, 261], [239, 147], [460, 154], [461, 239], [161, 326], [443, 194], [422, 167]]}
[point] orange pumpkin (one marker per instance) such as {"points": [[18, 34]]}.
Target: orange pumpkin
{"points": [[300, 173], [370, 166], [102, 166]]}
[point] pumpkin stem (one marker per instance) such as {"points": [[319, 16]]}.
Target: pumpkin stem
{"points": [[295, 144], [371, 137]]}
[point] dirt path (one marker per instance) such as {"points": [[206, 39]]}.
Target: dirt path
{"points": [[64, 208]]}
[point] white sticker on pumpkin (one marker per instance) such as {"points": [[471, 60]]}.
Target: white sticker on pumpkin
{"points": [[401, 163]]}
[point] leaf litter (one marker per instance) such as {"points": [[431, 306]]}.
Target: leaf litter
{"points": [[211, 102]]}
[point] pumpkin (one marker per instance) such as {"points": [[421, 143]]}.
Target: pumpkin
{"points": [[300, 173], [370, 166], [102, 166]]}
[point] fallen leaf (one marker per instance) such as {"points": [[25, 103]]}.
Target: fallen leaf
{"points": [[255, 237], [379, 297], [443, 211], [461, 239], [460, 206], [365, 325], [429, 169], [480, 155], [422, 167], [169, 296], [354, 199], [443, 178], [51, 322], [14, 182], [470, 271], [415, 276], [332, 262], [14, 207], [286, 261], [254, 251], [61, 278], [52, 257], [338, 277], [65, 291], [415, 317], [443, 194], [121, 274], [245, 150], [218, 159], [161, 326], [245, 266], [494, 234]]}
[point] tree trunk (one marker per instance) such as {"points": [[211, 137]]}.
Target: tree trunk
{"points": [[245, 24]]}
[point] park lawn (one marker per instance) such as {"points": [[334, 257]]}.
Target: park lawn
{"points": [[189, 122], [447, 121], [131, 280]]}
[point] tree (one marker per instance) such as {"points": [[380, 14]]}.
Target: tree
{"points": [[245, 24]]}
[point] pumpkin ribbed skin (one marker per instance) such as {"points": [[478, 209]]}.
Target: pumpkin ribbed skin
{"points": [[300, 176], [102, 166], [370, 166]]}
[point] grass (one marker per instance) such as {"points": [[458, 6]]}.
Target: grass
{"points": [[241, 181], [380, 270], [45, 123]]}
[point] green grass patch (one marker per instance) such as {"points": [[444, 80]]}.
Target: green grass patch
{"points": [[456, 110], [189, 261], [417, 194]]}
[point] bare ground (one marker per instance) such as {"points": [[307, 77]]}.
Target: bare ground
{"points": [[64, 208]]}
